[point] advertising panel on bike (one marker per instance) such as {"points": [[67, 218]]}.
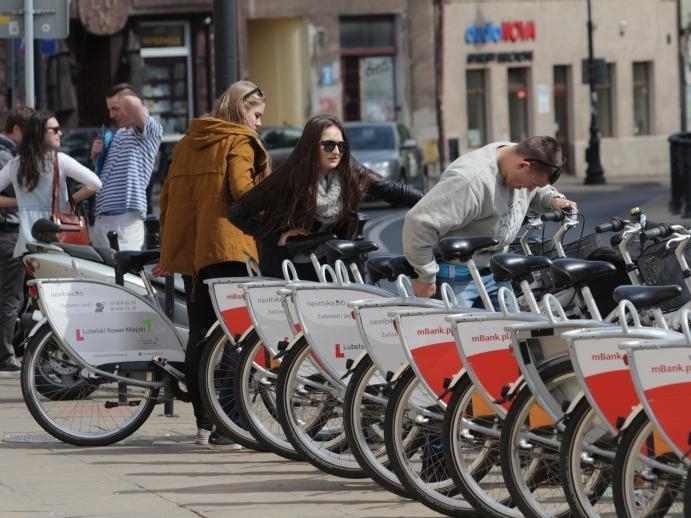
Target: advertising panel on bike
{"points": [[485, 347], [431, 348], [268, 314], [105, 323], [663, 375], [229, 304], [327, 322], [380, 337]]}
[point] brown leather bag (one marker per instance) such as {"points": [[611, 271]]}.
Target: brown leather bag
{"points": [[75, 231]]}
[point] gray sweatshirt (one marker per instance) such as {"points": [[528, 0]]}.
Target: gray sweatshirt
{"points": [[471, 200]]}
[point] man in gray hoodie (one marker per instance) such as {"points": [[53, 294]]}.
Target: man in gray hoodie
{"points": [[486, 192]]}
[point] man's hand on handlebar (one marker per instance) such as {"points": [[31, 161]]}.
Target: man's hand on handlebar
{"points": [[558, 203], [424, 289]]}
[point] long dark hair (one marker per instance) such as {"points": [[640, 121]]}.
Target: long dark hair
{"points": [[289, 194], [32, 152]]}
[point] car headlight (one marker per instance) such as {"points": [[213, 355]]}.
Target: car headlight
{"points": [[383, 167]]}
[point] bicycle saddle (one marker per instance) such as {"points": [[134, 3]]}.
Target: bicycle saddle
{"points": [[303, 245], [463, 248], [348, 250], [379, 268], [133, 261], [400, 265], [509, 267], [570, 272], [644, 297]]}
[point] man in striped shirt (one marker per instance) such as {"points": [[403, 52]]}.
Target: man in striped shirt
{"points": [[121, 203]]}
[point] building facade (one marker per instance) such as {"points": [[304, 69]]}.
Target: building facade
{"points": [[515, 68]]}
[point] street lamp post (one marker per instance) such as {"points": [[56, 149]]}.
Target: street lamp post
{"points": [[594, 174], [225, 44]]}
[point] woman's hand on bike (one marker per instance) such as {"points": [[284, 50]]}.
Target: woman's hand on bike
{"points": [[157, 271], [292, 232]]}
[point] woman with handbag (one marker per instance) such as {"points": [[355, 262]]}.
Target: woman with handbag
{"points": [[38, 174]]}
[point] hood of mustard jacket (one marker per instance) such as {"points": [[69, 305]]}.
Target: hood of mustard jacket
{"points": [[212, 166]]}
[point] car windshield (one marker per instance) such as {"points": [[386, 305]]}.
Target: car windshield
{"points": [[370, 138]]}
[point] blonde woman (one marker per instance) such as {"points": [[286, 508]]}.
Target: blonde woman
{"points": [[219, 158]]}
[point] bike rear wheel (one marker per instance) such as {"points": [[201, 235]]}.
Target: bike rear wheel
{"points": [[310, 412], [641, 488], [216, 372], [255, 389], [106, 412], [364, 409], [413, 435]]}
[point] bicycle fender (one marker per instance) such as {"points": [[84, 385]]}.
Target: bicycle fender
{"points": [[36, 327], [398, 373], [575, 401], [246, 333], [211, 330], [357, 360], [456, 379], [293, 341], [634, 413], [515, 388]]}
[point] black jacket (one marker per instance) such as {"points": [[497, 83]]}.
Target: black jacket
{"points": [[271, 255]]}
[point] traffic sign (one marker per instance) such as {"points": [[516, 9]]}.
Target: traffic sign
{"points": [[51, 19]]}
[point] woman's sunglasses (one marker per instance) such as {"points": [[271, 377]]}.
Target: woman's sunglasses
{"points": [[555, 169], [330, 145], [255, 90], [54, 129]]}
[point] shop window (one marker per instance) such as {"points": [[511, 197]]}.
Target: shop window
{"points": [[367, 64], [519, 96], [166, 74], [605, 103], [642, 123], [477, 112]]}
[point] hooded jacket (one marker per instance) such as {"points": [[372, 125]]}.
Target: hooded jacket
{"points": [[213, 165]]}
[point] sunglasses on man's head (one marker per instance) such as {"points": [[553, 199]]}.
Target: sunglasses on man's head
{"points": [[255, 90], [555, 169], [330, 145]]}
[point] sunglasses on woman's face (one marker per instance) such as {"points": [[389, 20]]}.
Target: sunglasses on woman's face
{"points": [[330, 145], [54, 129]]}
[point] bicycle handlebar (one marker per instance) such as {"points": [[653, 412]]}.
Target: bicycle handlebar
{"points": [[556, 215], [663, 230], [614, 225]]}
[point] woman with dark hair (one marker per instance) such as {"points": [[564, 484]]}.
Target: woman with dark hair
{"points": [[318, 188], [31, 175]]}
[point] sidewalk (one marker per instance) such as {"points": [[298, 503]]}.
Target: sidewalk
{"points": [[159, 472]]}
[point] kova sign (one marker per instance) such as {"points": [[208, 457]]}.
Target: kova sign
{"points": [[508, 32]]}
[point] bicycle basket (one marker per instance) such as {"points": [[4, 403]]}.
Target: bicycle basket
{"points": [[659, 266]]}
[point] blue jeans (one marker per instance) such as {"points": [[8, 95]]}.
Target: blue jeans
{"points": [[467, 293]]}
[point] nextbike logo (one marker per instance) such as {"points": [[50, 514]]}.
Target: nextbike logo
{"points": [[74, 293], [320, 303], [496, 337], [341, 348], [81, 334], [434, 331], [268, 300]]}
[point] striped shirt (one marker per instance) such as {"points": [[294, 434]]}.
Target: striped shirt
{"points": [[127, 169]]}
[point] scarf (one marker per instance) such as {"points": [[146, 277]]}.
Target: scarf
{"points": [[329, 198]]}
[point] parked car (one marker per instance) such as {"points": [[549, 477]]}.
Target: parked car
{"points": [[388, 149], [279, 142], [77, 144]]}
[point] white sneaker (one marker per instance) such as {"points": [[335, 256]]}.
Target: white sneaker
{"points": [[202, 436]]}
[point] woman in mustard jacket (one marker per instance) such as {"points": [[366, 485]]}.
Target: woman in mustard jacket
{"points": [[219, 158]]}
